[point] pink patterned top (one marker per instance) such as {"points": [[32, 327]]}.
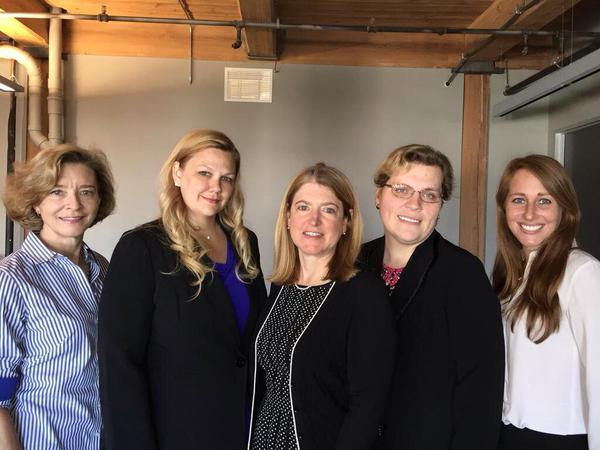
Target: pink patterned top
{"points": [[390, 276]]}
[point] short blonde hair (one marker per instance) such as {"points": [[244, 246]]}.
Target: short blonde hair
{"points": [[403, 157], [174, 215], [342, 265], [31, 181]]}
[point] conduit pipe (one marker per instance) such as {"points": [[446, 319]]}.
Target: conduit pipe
{"points": [[103, 17], [34, 92], [55, 91]]}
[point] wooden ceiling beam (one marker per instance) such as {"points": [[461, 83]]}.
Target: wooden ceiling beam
{"points": [[25, 32], [326, 47], [149, 40], [499, 12], [260, 43]]}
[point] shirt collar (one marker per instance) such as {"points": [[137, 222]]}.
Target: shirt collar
{"points": [[36, 250], [39, 253]]}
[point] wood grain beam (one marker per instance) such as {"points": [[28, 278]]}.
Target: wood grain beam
{"points": [[332, 48], [473, 169], [25, 31], [260, 43], [500, 11], [150, 40]]}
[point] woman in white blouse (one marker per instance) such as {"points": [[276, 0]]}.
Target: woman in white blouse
{"points": [[551, 308]]}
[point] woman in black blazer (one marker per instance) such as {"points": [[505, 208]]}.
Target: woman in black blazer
{"points": [[447, 387], [178, 310], [324, 353]]}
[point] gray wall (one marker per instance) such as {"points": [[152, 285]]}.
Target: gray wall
{"points": [[135, 109], [511, 136], [574, 106]]}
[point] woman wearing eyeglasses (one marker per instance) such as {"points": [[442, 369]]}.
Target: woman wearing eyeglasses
{"points": [[447, 387]]}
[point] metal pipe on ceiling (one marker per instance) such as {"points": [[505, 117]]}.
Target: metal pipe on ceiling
{"points": [[188, 14], [103, 17]]}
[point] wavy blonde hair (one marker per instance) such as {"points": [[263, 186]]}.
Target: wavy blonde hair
{"points": [[174, 216], [342, 264], [538, 303], [32, 180]]}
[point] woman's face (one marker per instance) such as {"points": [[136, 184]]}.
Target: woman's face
{"points": [[206, 181], [532, 214], [70, 207], [409, 221], [316, 220]]}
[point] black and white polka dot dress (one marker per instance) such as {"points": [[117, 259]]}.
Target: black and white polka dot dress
{"points": [[295, 308]]}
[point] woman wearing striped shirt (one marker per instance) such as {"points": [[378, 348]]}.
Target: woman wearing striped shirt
{"points": [[49, 292]]}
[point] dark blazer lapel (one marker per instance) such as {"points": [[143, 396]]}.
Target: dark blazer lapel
{"points": [[256, 292], [215, 293], [413, 275]]}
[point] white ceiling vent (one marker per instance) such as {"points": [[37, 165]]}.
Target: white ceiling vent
{"points": [[248, 85]]}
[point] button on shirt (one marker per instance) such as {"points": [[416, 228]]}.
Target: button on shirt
{"points": [[48, 346]]}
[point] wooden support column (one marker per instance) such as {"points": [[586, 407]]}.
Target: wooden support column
{"points": [[473, 170]]}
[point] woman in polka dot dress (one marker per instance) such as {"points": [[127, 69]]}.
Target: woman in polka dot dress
{"points": [[324, 352]]}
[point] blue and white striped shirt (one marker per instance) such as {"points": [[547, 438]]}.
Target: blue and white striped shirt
{"points": [[48, 347]]}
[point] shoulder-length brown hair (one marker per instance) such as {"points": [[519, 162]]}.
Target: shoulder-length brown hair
{"points": [[539, 299], [175, 220], [342, 264], [31, 181]]}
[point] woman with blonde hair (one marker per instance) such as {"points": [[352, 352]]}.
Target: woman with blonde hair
{"points": [[323, 356], [551, 307], [49, 293], [181, 299]]}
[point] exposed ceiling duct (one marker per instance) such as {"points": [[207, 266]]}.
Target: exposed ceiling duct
{"points": [[34, 91]]}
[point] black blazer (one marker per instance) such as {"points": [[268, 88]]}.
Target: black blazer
{"points": [[341, 367], [173, 370], [448, 383]]}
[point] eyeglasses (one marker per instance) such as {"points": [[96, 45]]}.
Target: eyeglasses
{"points": [[406, 191]]}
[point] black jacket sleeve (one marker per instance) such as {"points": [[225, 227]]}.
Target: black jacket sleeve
{"points": [[370, 362], [477, 343], [125, 320]]}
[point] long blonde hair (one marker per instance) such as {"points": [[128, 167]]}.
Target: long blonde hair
{"points": [[539, 298], [342, 264], [174, 217]]}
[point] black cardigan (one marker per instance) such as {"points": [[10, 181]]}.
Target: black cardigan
{"points": [[448, 383], [341, 367], [173, 370]]}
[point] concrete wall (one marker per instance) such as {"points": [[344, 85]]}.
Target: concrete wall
{"points": [[135, 109], [511, 136], [574, 106]]}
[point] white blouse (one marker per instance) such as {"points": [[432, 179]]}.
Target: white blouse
{"points": [[554, 387]]}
